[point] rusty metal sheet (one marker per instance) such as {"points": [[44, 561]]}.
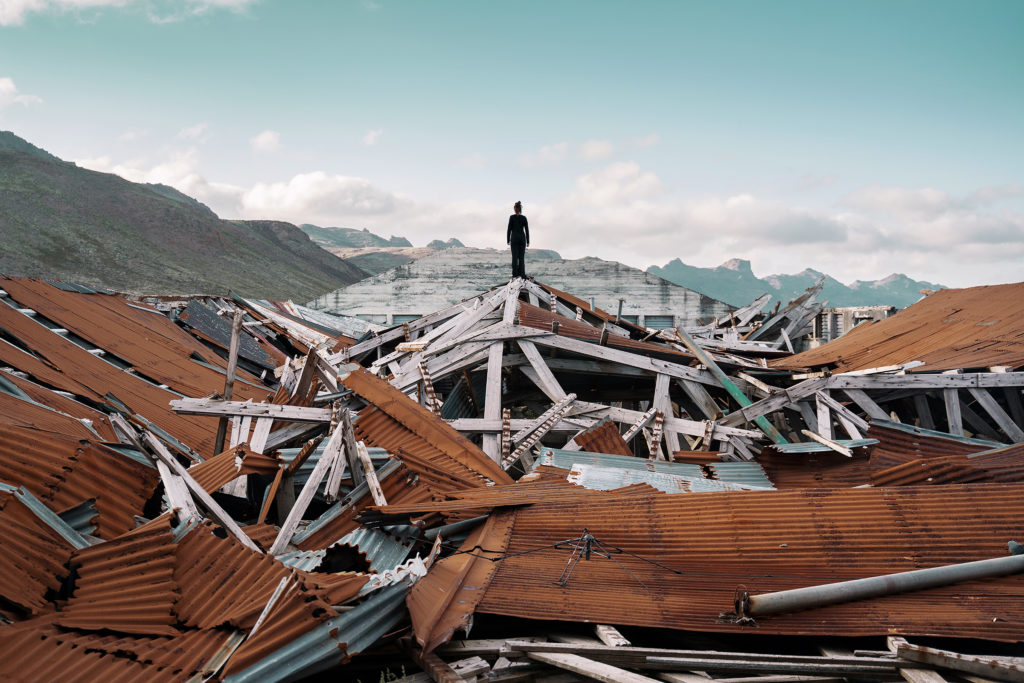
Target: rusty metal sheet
{"points": [[444, 600], [421, 422], [98, 421], [604, 437], [766, 541], [126, 584], [63, 471], [134, 332], [235, 462], [977, 327], [33, 558], [541, 319]]}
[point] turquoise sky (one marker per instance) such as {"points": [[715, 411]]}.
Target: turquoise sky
{"points": [[855, 138]]}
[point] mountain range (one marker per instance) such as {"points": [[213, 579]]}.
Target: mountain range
{"points": [[734, 282], [58, 220]]}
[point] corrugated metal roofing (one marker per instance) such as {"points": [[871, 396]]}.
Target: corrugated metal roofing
{"points": [[224, 468], [604, 437], [33, 557], [765, 541], [421, 423], [98, 421], [742, 472], [126, 584], [977, 327], [64, 472]]}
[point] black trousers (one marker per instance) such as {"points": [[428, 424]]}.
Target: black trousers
{"points": [[518, 258]]}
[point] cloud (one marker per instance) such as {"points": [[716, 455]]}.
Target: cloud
{"points": [[371, 136], [549, 155], [318, 196], [9, 94], [267, 141], [595, 150], [615, 184], [14, 12], [474, 161], [196, 132], [132, 135], [648, 140]]}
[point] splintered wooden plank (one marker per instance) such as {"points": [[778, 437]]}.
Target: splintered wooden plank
{"points": [[867, 404], [548, 383], [998, 415], [663, 402], [589, 668], [492, 398]]}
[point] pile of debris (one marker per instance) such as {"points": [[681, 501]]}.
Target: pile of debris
{"points": [[212, 488]]}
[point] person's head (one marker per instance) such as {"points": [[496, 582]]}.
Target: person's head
{"points": [[518, 206]]}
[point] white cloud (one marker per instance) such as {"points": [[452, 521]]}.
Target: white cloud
{"points": [[132, 135], [595, 150], [549, 155], [196, 132], [648, 140], [14, 12], [9, 94], [371, 136], [267, 141], [616, 183], [318, 197]]}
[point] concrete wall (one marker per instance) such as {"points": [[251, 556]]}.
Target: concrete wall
{"points": [[440, 280]]}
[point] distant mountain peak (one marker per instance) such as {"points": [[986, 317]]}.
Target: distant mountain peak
{"points": [[12, 143], [737, 264], [439, 244]]}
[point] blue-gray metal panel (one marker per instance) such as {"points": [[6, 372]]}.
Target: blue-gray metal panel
{"points": [[609, 478], [749, 473], [321, 648], [307, 560], [815, 447], [384, 548], [82, 517], [911, 429], [131, 452], [557, 457]]}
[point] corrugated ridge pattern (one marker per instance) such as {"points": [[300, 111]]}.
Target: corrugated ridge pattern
{"points": [[21, 413], [953, 469], [147, 339], [376, 428], [28, 655], [769, 541], [898, 445], [33, 557], [64, 471], [165, 658], [424, 424], [541, 319], [814, 470], [103, 378], [215, 472], [221, 581], [977, 327], [126, 584], [68, 406], [603, 437], [294, 614]]}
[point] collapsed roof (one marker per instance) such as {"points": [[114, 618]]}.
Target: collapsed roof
{"points": [[520, 454]]}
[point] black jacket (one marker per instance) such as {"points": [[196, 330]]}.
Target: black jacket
{"points": [[518, 229]]}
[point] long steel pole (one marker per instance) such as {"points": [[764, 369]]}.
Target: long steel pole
{"points": [[876, 586]]}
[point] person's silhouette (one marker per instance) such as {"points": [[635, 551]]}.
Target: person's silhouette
{"points": [[518, 237]]}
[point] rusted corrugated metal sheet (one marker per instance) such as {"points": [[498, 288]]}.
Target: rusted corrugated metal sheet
{"points": [[28, 653], [541, 319], [899, 443], [950, 469], [224, 468], [438, 602], [603, 437], [64, 472], [33, 557], [136, 333], [765, 541], [164, 658], [977, 327], [21, 413], [422, 423], [814, 470], [103, 378], [97, 420], [126, 584]]}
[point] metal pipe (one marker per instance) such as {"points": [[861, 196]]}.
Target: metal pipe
{"points": [[876, 586], [453, 528]]}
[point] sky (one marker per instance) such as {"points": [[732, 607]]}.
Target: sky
{"points": [[856, 138]]}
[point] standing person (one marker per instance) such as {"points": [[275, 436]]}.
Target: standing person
{"points": [[518, 237]]}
